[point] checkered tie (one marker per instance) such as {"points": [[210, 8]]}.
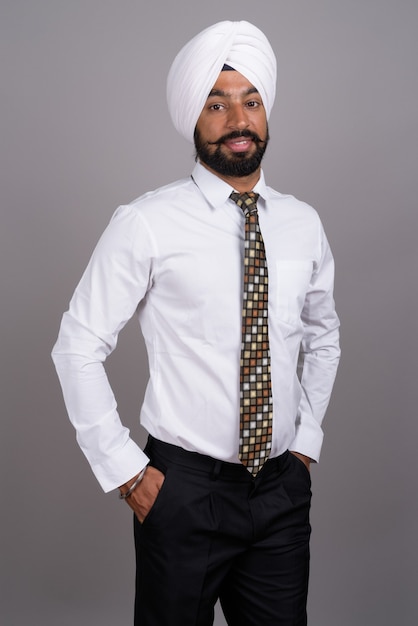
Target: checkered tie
{"points": [[256, 410]]}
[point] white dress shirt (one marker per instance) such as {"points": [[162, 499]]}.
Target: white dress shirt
{"points": [[174, 257]]}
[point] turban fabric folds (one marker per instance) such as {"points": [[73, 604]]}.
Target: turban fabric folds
{"points": [[198, 64]]}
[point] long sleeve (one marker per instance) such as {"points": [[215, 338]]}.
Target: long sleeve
{"points": [[113, 284], [319, 355]]}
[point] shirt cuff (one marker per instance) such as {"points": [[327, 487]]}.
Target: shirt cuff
{"points": [[121, 467], [308, 441]]}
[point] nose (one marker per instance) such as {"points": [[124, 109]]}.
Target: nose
{"points": [[237, 117]]}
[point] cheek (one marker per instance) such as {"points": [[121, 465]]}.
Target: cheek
{"points": [[263, 130], [209, 129], [260, 125]]}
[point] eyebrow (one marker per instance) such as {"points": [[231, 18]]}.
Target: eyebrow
{"points": [[224, 94]]}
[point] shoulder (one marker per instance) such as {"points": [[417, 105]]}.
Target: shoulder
{"points": [[164, 195], [152, 204], [290, 206]]}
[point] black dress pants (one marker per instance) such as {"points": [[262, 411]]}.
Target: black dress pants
{"points": [[215, 532]]}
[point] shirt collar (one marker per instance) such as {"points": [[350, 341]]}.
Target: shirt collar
{"points": [[216, 190]]}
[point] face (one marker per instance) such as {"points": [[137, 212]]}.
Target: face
{"points": [[231, 133]]}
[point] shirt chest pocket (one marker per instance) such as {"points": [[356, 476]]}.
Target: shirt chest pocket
{"points": [[292, 279]]}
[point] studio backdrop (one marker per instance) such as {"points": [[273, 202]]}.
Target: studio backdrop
{"points": [[85, 128]]}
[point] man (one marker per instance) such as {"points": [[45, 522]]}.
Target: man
{"points": [[221, 502]]}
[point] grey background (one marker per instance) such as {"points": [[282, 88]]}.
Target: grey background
{"points": [[84, 128]]}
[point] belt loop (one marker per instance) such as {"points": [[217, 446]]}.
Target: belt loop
{"points": [[216, 470]]}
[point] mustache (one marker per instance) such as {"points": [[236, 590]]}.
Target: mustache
{"points": [[236, 134]]}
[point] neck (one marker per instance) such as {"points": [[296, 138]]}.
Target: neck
{"points": [[241, 183]]}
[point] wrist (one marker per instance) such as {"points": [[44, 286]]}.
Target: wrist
{"points": [[129, 487]]}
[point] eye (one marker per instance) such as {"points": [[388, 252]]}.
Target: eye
{"points": [[253, 104], [216, 107]]}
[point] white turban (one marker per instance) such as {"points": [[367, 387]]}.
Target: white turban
{"points": [[198, 64]]}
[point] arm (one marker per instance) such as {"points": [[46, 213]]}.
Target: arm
{"points": [[115, 281], [319, 355]]}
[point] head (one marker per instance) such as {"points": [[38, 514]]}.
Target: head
{"points": [[198, 68], [231, 134]]}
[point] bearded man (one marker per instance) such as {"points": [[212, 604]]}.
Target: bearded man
{"points": [[232, 284]]}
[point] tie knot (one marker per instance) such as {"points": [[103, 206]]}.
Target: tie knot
{"points": [[246, 201]]}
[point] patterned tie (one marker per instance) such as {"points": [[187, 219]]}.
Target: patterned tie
{"points": [[256, 410]]}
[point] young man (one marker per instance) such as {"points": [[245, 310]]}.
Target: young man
{"points": [[232, 283]]}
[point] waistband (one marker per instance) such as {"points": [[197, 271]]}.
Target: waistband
{"points": [[214, 467]]}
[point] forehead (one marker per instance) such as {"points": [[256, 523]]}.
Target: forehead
{"points": [[232, 83]]}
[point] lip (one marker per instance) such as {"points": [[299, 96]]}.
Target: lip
{"points": [[241, 144]]}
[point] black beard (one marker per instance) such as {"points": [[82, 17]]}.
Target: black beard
{"points": [[237, 165]]}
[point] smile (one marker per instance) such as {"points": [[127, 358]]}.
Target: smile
{"points": [[241, 144]]}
